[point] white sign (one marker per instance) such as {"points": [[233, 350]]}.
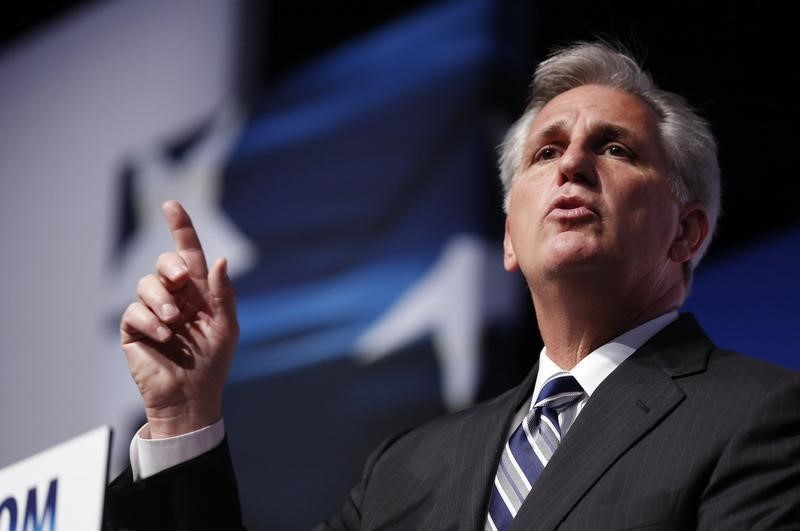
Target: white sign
{"points": [[60, 489]]}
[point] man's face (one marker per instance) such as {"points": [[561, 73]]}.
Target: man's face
{"points": [[591, 196]]}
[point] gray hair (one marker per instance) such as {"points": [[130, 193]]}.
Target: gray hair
{"points": [[688, 142]]}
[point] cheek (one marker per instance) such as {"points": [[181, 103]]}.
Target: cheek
{"points": [[632, 208], [525, 214], [528, 195], [524, 220], [646, 219]]}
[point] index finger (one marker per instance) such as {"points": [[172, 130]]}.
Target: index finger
{"points": [[185, 236]]}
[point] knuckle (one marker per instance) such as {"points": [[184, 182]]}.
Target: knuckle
{"points": [[129, 313], [142, 284], [163, 259], [146, 284], [141, 315], [131, 320]]}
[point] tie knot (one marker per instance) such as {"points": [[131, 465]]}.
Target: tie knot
{"points": [[559, 392]]}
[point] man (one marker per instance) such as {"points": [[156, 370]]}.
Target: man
{"points": [[632, 418]]}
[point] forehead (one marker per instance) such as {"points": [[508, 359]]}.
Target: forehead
{"points": [[590, 105]]}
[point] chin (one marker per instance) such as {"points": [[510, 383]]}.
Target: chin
{"points": [[572, 247], [569, 256], [570, 269]]}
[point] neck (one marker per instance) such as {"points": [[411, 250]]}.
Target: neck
{"points": [[576, 320]]}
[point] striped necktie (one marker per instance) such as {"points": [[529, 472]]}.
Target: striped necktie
{"points": [[529, 449]]}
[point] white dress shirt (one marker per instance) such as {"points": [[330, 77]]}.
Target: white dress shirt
{"points": [[150, 456], [594, 368]]}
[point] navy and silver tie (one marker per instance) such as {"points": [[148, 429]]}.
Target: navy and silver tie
{"points": [[529, 449]]}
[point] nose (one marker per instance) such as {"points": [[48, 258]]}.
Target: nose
{"points": [[577, 165]]}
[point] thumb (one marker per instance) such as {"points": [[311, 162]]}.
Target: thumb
{"points": [[223, 296]]}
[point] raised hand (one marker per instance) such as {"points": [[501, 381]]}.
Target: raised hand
{"points": [[180, 335]]}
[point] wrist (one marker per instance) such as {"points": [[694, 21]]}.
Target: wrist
{"points": [[162, 425]]}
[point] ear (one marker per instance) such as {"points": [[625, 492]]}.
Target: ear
{"points": [[509, 258], [693, 230]]}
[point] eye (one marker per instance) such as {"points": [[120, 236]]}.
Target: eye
{"points": [[619, 151], [546, 153]]}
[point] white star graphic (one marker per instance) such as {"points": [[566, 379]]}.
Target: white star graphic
{"points": [[195, 181], [464, 289]]}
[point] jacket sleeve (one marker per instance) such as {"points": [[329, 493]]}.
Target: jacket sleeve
{"points": [[200, 494], [350, 517], [756, 483]]}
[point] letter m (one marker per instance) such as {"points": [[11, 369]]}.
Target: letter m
{"points": [[32, 521]]}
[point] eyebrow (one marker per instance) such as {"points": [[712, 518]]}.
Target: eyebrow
{"points": [[551, 131], [606, 131]]}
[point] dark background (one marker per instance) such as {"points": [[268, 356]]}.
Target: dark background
{"points": [[735, 62]]}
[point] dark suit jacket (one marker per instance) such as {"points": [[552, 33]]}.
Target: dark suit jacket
{"points": [[682, 435]]}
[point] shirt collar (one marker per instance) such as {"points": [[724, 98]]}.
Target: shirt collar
{"points": [[598, 364]]}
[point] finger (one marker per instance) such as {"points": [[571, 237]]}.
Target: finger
{"points": [[185, 236], [139, 322], [172, 270], [155, 296], [223, 296]]}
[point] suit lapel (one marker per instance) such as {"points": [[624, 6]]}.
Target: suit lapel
{"points": [[637, 396], [481, 442]]}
